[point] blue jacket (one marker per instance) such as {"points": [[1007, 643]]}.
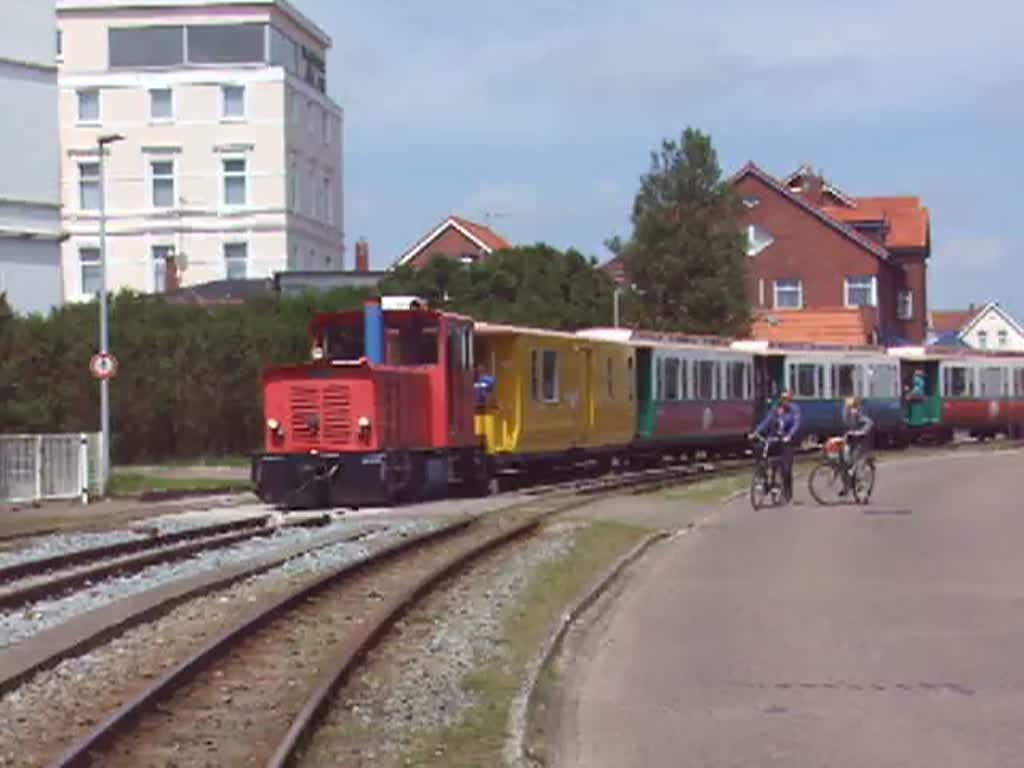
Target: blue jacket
{"points": [[784, 424]]}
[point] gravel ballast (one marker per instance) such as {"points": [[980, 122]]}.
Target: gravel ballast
{"points": [[40, 718], [418, 685], [23, 623]]}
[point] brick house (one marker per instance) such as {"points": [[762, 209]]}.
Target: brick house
{"points": [[457, 238], [854, 268]]}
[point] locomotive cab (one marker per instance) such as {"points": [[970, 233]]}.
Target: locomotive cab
{"points": [[381, 412]]}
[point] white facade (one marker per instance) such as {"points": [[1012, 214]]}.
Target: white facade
{"points": [[993, 328], [231, 160], [30, 222]]}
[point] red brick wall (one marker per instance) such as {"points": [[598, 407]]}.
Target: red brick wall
{"points": [[450, 243], [807, 248]]}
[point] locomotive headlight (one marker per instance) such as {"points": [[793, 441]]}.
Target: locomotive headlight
{"points": [[275, 427], [318, 353], [364, 423]]}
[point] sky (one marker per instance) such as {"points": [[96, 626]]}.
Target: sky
{"points": [[539, 116]]}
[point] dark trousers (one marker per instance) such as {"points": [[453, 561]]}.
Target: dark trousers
{"points": [[786, 454]]}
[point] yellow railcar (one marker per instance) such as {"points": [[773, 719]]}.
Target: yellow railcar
{"points": [[554, 392]]}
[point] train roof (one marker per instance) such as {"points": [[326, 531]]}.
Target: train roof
{"points": [[781, 349], [938, 353], [501, 329], [656, 338]]}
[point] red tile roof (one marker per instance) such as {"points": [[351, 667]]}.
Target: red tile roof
{"points": [[483, 233], [486, 238], [826, 326], [949, 320], [906, 217]]}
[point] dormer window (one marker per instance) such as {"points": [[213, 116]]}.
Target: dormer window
{"points": [[757, 239]]}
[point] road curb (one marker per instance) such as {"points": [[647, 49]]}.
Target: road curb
{"points": [[515, 752]]}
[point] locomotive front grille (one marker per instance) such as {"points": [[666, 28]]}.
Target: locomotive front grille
{"points": [[337, 414], [304, 410]]}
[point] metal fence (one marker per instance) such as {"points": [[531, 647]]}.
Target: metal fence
{"points": [[38, 467]]}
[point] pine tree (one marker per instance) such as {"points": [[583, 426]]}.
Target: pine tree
{"points": [[687, 256]]}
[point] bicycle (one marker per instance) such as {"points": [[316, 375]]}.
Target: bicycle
{"points": [[766, 482], [833, 477]]}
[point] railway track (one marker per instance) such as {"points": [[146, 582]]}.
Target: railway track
{"points": [[32, 580], [253, 694]]}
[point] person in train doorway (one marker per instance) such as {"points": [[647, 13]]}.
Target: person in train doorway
{"points": [[857, 436], [483, 383], [783, 423]]}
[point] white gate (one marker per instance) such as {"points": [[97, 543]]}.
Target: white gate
{"points": [[37, 467]]}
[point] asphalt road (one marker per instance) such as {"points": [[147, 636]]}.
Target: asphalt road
{"points": [[891, 635]]}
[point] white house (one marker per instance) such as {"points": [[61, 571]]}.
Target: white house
{"points": [[231, 158], [30, 220], [992, 327]]}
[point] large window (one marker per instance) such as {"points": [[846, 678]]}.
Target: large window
{"points": [[789, 294], [706, 374], [162, 175], [860, 291], [88, 106], [161, 105], [544, 375], [235, 192], [89, 186], [233, 101], [173, 45], [226, 43], [89, 261], [161, 253], [236, 261], [905, 305], [147, 46]]}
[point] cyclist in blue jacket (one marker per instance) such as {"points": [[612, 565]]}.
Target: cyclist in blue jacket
{"points": [[783, 424]]}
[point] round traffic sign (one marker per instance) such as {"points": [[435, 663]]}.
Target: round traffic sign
{"points": [[103, 365]]}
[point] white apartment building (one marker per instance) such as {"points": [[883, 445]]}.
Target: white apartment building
{"points": [[231, 159], [30, 220]]}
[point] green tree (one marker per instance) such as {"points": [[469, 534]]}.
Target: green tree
{"points": [[534, 285], [686, 255]]}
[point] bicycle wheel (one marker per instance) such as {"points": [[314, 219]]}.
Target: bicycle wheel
{"points": [[760, 487], [826, 483], [863, 480]]}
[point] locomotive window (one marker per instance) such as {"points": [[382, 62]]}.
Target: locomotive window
{"points": [[706, 371], [844, 380]]}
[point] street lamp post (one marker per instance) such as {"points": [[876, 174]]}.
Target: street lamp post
{"points": [[615, 305], [101, 143]]}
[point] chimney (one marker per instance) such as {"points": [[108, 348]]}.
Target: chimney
{"points": [[362, 256], [814, 188]]}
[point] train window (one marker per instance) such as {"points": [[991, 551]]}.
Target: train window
{"points": [[549, 383], [735, 373], [957, 382], [629, 376], [659, 379], [991, 380], [1018, 378], [684, 379], [611, 379], [672, 378], [843, 380], [534, 374], [882, 381], [802, 379], [706, 380]]}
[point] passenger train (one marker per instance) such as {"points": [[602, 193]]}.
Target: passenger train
{"points": [[387, 410]]}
